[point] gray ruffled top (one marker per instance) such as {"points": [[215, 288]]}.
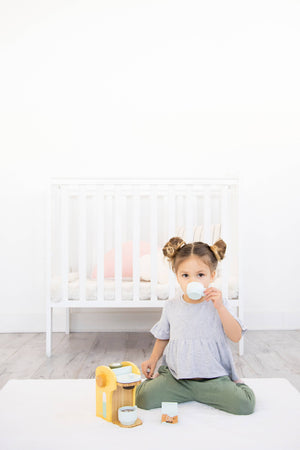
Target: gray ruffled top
{"points": [[198, 346]]}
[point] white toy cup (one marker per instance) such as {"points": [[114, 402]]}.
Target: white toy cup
{"points": [[195, 290], [127, 415]]}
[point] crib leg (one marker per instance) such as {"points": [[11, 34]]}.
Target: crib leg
{"points": [[49, 331], [241, 346], [67, 321]]}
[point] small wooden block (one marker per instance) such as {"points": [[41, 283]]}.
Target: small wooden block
{"points": [[168, 419]]}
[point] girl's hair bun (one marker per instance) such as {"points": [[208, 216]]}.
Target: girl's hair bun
{"points": [[219, 249], [172, 246]]}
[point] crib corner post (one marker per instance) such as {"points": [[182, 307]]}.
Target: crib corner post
{"points": [[49, 331], [241, 346], [67, 328]]}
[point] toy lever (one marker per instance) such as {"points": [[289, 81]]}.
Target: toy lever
{"points": [[101, 380]]}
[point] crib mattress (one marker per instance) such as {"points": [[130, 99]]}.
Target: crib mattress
{"points": [[109, 290], [162, 290]]}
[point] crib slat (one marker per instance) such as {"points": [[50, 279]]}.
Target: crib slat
{"points": [[100, 242], [49, 243], [225, 237], [82, 243], [207, 215], [64, 235], [136, 244], [241, 215], [189, 216], [118, 244], [154, 244], [171, 233]]}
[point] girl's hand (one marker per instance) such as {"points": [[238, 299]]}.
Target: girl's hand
{"points": [[148, 368], [215, 295]]}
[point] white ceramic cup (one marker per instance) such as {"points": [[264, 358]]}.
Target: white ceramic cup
{"points": [[127, 415], [195, 290]]}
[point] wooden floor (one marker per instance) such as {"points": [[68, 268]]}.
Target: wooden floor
{"points": [[267, 354]]}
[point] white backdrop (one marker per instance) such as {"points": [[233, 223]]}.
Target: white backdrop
{"points": [[151, 88]]}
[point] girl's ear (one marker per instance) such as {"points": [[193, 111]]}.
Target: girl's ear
{"points": [[213, 275]]}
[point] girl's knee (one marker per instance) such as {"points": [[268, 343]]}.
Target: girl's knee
{"points": [[147, 393], [245, 405], [236, 398], [139, 397], [143, 401], [144, 398]]}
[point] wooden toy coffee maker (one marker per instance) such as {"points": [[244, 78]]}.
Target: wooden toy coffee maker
{"points": [[115, 393]]}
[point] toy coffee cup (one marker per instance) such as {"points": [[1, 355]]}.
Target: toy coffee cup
{"points": [[127, 415], [195, 290]]}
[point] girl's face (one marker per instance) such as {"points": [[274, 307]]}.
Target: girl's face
{"points": [[194, 269]]}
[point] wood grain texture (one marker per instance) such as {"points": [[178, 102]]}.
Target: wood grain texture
{"points": [[268, 354]]}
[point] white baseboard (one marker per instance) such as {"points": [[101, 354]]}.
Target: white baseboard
{"points": [[131, 320], [272, 320], [81, 320]]}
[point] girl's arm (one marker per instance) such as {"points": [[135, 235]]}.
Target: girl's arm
{"points": [[158, 349], [231, 327], [148, 367]]}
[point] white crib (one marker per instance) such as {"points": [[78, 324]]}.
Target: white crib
{"points": [[100, 228]]}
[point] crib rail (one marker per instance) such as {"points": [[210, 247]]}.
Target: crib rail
{"points": [[120, 190]]}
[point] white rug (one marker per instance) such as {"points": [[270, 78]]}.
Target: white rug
{"points": [[61, 414]]}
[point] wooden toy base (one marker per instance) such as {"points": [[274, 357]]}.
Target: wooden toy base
{"points": [[135, 424]]}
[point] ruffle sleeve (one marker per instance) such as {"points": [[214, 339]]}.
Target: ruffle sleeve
{"points": [[229, 307], [161, 330]]}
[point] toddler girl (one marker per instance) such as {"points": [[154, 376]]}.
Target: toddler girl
{"points": [[192, 335]]}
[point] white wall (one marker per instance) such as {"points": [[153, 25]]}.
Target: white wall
{"points": [[151, 88]]}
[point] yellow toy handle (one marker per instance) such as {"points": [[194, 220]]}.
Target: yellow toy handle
{"points": [[105, 378]]}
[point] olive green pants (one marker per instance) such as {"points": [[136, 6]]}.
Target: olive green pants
{"points": [[221, 393]]}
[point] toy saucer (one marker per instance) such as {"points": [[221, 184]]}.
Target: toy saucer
{"points": [[135, 424]]}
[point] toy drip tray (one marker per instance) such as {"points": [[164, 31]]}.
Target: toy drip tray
{"points": [[125, 375], [128, 378]]}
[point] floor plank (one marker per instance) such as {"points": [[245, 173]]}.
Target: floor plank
{"points": [[267, 354]]}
